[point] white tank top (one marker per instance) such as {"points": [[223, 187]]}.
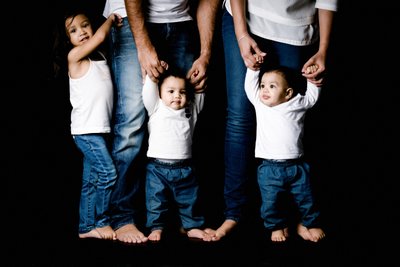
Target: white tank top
{"points": [[91, 97]]}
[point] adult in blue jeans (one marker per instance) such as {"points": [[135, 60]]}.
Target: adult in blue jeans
{"points": [[294, 34], [159, 31]]}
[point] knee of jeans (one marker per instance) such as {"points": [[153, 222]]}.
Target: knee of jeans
{"points": [[240, 128]]}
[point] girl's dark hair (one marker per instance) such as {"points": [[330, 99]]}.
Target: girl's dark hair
{"points": [[61, 43], [293, 78], [175, 72]]}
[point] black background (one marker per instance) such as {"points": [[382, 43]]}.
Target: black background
{"points": [[350, 141]]}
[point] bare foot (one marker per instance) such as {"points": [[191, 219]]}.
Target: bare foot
{"points": [[91, 234], [155, 235], [222, 231], [317, 234], [130, 234], [105, 232], [279, 235], [312, 234], [200, 234]]}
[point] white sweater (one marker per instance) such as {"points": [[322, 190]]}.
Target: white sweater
{"points": [[279, 128], [170, 131]]}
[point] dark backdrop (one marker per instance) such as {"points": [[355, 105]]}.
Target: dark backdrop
{"points": [[350, 142]]}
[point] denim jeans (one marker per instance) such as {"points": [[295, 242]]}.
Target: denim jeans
{"points": [[167, 183], [176, 44], [98, 179], [275, 180], [240, 121], [129, 123], [240, 125]]}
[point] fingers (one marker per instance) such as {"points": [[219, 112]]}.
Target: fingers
{"points": [[254, 61], [155, 71], [318, 81], [164, 64], [311, 69], [199, 85], [198, 78]]}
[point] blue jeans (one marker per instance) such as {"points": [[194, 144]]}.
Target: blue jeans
{"points": [[176, 44], [240, 121], [240, 125], [98, 179], [276, 180], [167, 183], [129, 124]]}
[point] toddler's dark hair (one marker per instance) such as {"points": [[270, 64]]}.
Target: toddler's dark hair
{"points": [[175, 72], [293, 78]]}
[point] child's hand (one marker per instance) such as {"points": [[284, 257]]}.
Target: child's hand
{"points": [[311, 69], [164, 64], [117, 20]]}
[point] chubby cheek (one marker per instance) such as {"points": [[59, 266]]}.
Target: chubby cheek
{"points": [[265, 101]]}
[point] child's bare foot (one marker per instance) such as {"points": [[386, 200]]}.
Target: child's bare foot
{"points": [[222, 231], [155, 235], [280, 235], [200, 234], [317, 234], [105, 232], [130, 234], [91, 234], [312, 234]]}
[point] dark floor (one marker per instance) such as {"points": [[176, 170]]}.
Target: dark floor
{"points": [[351, 142]]}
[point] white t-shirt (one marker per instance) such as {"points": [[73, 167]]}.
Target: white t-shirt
{"points": [[159, 11], [288, 21]]}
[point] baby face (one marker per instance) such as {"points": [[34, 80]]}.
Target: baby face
{"points": [[273, 89], [173, 92]]}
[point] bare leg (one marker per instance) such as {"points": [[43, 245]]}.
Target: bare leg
{"points": [[312, 234], [129, 233], [222, 231], [155, 235], [105, 232]]}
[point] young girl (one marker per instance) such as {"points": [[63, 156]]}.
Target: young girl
{"points": [[280, 112], [91, 97], [173, 110]]}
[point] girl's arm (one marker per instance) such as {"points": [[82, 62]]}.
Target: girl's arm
{"points": [[80, 52]]}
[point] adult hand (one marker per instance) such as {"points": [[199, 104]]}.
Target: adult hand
{"points": [[252, 56], [150, 63], [197, 75], [316, 77]]}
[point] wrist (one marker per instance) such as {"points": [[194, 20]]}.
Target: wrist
{"points": [[241, 37]]}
